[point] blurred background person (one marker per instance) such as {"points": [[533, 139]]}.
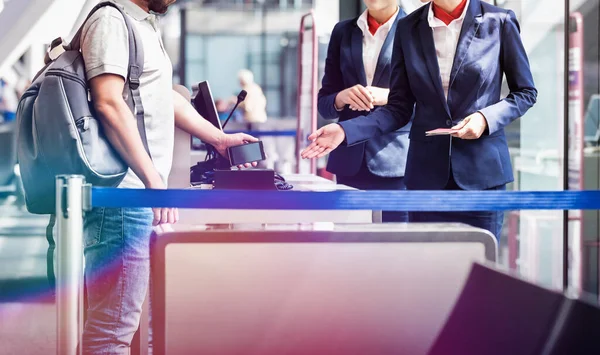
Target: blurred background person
{"points": [[254, 112], [224, 108], [254, 108]]}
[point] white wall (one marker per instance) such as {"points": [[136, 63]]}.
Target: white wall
{"points": [[34, 23]]}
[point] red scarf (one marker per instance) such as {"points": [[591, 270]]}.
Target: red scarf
{"points": [[448, 17], [374, 25]]}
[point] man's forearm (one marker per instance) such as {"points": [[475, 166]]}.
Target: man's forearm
{"points": [[188, 119], [121, 129]]}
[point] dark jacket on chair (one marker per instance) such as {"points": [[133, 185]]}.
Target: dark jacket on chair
{"points": [[344, 68]]}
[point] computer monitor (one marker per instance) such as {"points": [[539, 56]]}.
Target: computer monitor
{"points": [[204, 103]]}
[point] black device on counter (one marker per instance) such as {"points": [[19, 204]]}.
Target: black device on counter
{"points": [[247, 179], [246, 153]]}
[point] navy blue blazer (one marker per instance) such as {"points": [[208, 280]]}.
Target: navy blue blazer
{"points": [[489, 46], [385, 155]]}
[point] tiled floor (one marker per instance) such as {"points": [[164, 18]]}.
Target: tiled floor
{"points": [[23, 244], [27, 329], [27, 312]]}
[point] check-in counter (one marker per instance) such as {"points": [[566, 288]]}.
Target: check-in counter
{"points": [[309, 289], [300, 183], [184, 157]]}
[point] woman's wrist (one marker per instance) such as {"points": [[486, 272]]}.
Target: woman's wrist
{"points": [[338, 104]]}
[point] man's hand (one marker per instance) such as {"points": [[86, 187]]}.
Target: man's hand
{"points": [[231, 140], [471, 127], [358, 97], [324, 140], [163, 215]]}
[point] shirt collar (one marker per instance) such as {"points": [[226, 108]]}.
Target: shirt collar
{"points": [[436, 22], [364, 25], [133, 10]]}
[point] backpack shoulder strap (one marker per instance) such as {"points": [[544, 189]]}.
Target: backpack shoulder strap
{"points": [[135, 69]]}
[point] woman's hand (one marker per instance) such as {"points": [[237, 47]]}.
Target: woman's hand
{"points": [[380, 95], [324, 140], [358, 97], [471, 127]]}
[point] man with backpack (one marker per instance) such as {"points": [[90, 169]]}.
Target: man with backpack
{"points": [[117, 239]]}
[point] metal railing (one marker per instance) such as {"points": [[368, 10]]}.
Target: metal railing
{"points": [[311, 101]]}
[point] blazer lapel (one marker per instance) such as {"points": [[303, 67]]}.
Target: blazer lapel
{"points": [[468, 31], [430, 56], [385, 56], [357, 55]]}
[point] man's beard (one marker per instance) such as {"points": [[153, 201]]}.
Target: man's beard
{"points": [[159, 6]]}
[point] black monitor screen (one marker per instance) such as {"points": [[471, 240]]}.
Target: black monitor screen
{"points": [[202, 100]]}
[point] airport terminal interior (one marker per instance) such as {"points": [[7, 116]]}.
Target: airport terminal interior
{"points": [[318, 279]]}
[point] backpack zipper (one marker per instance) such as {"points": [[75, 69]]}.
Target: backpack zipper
{"points": [[64, 74], [82, 124]]}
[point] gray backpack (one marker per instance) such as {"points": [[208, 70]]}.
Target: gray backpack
{"points": [[59, 133]]}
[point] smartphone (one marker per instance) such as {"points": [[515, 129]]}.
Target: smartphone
{"points": [[246, 153]]}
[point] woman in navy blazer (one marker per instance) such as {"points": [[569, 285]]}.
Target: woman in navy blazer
{"points": [[356, 80], [475, 156]]}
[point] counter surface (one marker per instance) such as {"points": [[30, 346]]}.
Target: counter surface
{"points": [[301, 183]]}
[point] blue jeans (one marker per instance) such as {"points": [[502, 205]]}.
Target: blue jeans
{"points": [[117, 271]]}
